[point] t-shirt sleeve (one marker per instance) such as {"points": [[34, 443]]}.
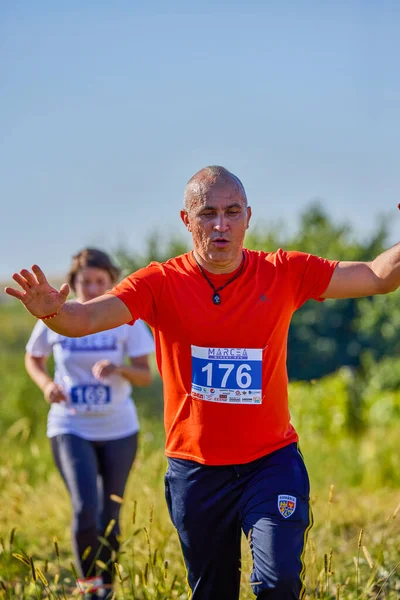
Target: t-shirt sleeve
{"points": [[309, 276], [39, 344], [140, 292], [139, 340]]}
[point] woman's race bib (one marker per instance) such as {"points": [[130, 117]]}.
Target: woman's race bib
{"points": [[90, 398]]}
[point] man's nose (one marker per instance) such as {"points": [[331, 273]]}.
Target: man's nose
{"points": [[220, 223]]}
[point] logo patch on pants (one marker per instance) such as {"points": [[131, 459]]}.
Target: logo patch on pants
{"points": [[286, 505]]}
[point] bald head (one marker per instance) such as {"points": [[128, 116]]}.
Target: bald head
{"points": [[204, 180]]}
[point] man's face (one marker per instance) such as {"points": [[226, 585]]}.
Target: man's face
{"points": [[218, 221]]}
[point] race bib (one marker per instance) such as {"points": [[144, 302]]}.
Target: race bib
{"points": [[90, 398], [228, 375]]}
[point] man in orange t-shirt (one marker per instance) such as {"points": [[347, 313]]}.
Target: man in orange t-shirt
{"points": [[220, 316], [224, 364]]}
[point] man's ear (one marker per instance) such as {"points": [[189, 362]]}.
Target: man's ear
{"points": [[185, 219], [248, 216]]}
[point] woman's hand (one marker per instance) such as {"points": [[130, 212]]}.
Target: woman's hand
{"points": [[104, 368], [36, 294], [53, 393]]}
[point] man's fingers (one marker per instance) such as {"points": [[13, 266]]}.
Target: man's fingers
{"points": [[15, 293], [21, 281], [29, 277], [64, 290], [40, 276]]}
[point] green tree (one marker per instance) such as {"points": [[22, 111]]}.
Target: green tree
{"points": [[323, 336], [156, 249]]}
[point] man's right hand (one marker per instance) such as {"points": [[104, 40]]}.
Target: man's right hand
{"points": [[37, 295]]}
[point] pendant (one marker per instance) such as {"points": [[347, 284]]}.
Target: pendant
{"points": [[216, 298]]}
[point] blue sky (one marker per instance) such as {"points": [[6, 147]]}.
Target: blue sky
{"points": [[108, 108]]}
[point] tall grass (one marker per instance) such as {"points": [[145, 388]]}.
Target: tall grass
{"points": [[150, 563], [353, 549]]}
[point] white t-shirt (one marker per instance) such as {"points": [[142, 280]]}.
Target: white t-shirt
{"points": [[95, 409]]}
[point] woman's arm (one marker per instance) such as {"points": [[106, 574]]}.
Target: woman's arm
{"points": [[138, 372], [37, 370]]}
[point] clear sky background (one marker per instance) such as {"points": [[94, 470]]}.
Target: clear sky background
{"points": [[108, 108]]}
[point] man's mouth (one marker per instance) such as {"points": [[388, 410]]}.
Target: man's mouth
{"points": [[220, 242]]}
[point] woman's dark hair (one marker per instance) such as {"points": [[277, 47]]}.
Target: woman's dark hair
{"points": [[91, 257]]}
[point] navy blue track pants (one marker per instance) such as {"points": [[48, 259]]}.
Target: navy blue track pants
{"points": [[92, 471], [267, 499]]}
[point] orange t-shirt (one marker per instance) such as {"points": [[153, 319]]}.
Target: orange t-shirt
{"points": [[224, 366]]}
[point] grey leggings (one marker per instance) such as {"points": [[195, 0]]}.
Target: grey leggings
{"points": [[92, 471]]}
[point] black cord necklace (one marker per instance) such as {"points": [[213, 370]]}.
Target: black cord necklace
{"points": [[216, 298]]}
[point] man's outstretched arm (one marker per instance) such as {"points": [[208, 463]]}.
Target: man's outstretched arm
{"points": [[356, 279], [72, 319]]}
